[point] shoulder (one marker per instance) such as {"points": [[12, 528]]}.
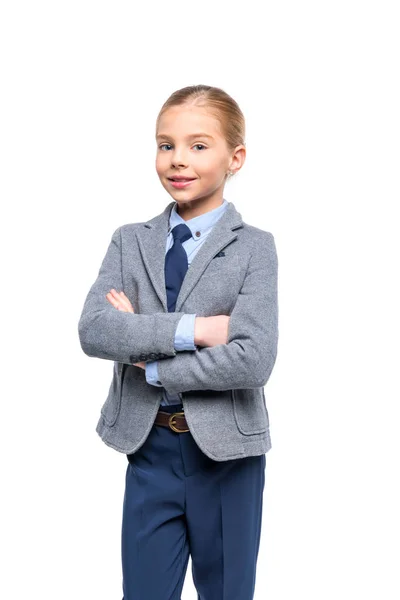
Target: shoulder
{"points": [[256, 238], [126, 229]]}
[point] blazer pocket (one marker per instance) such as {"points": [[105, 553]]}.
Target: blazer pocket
{"points": [[223, 266], [250, 411], [112, 406]]}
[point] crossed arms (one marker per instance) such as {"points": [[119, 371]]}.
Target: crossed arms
{"points": [[245, 361]]}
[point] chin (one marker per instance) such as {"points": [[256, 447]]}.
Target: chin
{"points": [[181, 197]]}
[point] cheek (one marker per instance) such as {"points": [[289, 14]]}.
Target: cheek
{"points": [[211, 168], [161, 165], [209, 171]]}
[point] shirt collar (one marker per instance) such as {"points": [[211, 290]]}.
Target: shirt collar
{"points": [[197, 225]]}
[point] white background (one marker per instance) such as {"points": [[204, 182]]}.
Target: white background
{"points": [[82, 84]]}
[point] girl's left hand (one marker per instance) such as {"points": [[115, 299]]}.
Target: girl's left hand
{"points": [[119, 301], [122, 303]]}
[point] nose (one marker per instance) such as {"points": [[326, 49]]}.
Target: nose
{"points": [[178, 158]]}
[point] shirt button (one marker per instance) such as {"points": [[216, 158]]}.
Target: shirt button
{"points": [[198, 234]]}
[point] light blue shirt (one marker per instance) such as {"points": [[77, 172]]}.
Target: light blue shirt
{"points": [[184, 334]]}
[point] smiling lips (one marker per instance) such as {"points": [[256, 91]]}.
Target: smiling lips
{"points": [[180, 182], [178, 178]]}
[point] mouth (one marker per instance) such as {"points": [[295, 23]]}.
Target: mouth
{"points": [[180, 182], [180, 178]]}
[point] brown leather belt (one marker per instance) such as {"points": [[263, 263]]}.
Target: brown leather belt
{"points": [[175, 421]]}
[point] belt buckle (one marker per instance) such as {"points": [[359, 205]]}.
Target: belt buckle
{"points": [[171, 422]]}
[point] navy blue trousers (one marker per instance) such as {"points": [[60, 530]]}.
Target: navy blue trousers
{"points": [[179, 502]]}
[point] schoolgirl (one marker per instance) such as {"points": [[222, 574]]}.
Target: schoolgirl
{"points": [[185, 304]]}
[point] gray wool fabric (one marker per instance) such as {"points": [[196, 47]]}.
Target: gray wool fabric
{"points": [[222, 386]]}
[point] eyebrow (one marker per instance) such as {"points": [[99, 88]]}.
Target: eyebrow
{"points": [[192, 135]]}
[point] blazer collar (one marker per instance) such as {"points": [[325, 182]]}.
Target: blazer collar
{"points": [[152, 239]]}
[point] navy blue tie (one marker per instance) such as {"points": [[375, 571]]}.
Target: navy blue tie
{"points": [[176, 264]]}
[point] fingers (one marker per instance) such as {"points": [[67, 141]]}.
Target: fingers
{"points": [[112, 300], [115, 299], [142, 365], [127, 301], [119, 300]]}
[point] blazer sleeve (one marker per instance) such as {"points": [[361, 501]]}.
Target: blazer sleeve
{"points": [[247, 360], [105, 332]]}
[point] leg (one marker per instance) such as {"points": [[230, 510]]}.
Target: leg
{"points": [[154, 543], [224, 515]]}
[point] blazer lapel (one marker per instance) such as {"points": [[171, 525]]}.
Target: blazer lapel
{"points": [[152, 239]]}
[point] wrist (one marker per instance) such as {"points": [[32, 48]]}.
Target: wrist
{"points": [[200, 331]]}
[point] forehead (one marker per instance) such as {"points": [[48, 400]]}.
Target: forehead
{"points": [[188, 121]]}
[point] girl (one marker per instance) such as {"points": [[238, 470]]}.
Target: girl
{"points": [[185, 305]]}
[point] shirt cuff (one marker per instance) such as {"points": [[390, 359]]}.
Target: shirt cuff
{"points": [[151, 372], [184, 334]]}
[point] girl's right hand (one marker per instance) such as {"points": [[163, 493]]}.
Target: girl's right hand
{"points": [[211, 331]]}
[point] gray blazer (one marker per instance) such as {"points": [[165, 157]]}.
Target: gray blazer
{"points": [[222, 386]]}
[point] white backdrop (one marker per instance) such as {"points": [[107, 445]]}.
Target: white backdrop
{"points": [[318, 82]]}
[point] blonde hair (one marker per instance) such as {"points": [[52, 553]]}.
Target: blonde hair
{"points": [[218, 103]]}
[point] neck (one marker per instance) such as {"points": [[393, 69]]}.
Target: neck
{"points": [[195, 208]]}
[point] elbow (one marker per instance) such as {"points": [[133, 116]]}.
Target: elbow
{"points": [[84, 342], [85, 339], [94, 342], [263, 370]]}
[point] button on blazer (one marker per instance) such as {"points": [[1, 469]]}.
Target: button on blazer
{"points": [[234, 273]]}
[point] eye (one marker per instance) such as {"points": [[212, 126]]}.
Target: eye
{"points": [[161, 146]]}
